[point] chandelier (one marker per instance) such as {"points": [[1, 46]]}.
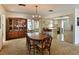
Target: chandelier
{"points": [[36, 17]]}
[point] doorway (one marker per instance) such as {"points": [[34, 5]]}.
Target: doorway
{"points": [[64, 26]]}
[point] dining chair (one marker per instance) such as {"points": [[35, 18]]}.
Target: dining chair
{"points": [[45, 45], [31, 45]]}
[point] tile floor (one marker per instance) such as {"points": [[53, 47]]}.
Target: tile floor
{"points": [[18, 47]]}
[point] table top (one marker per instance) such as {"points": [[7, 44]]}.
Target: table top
{"points": [[37, 36]]}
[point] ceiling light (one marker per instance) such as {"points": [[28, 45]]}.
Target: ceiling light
{"points": [[36, 17], [21, 4], [50, 10]]}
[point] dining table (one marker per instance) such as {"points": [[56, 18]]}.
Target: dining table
{"points": [[37, 37]]}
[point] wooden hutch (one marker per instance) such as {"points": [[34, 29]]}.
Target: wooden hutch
{"points": [[15, 28]]}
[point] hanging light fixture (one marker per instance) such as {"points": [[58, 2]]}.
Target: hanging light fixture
{"points": [[36, 17]]}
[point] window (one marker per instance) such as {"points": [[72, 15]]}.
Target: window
{"points": [[36, 24], [32, 25], [50, 24], [29, 23]]}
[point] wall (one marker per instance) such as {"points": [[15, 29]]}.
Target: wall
{"points": [[19, 15], [67, 25], [4, 27], [2, 30]]}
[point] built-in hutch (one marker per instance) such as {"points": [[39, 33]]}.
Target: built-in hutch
{"points": [[15, 27]]}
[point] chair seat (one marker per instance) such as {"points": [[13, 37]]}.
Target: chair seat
{"points": [[40, 46]]}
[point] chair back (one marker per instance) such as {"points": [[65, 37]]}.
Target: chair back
{"points": [[48, 42]]}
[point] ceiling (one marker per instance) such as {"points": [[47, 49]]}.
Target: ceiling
{"points": [[43, 9]]}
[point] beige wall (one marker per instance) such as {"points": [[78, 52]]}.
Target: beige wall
{"points": [[19, 15], [2, 29]]}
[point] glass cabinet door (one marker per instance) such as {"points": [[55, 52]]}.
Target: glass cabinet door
{"points": [[16, 25], [10, 24]]}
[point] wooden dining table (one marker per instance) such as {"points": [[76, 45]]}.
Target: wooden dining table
{"points": [[36, 36]]}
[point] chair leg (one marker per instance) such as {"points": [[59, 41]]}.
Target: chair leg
{"points": [[29, 50], [34, 51], [49, 51], [42, 51]]}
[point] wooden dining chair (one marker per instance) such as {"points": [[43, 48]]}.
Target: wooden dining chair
{"points": [[31, 45], [45, 45]]}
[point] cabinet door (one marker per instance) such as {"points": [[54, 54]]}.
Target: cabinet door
{"points": [[10, 35], [10, 24], [15, 25]]}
